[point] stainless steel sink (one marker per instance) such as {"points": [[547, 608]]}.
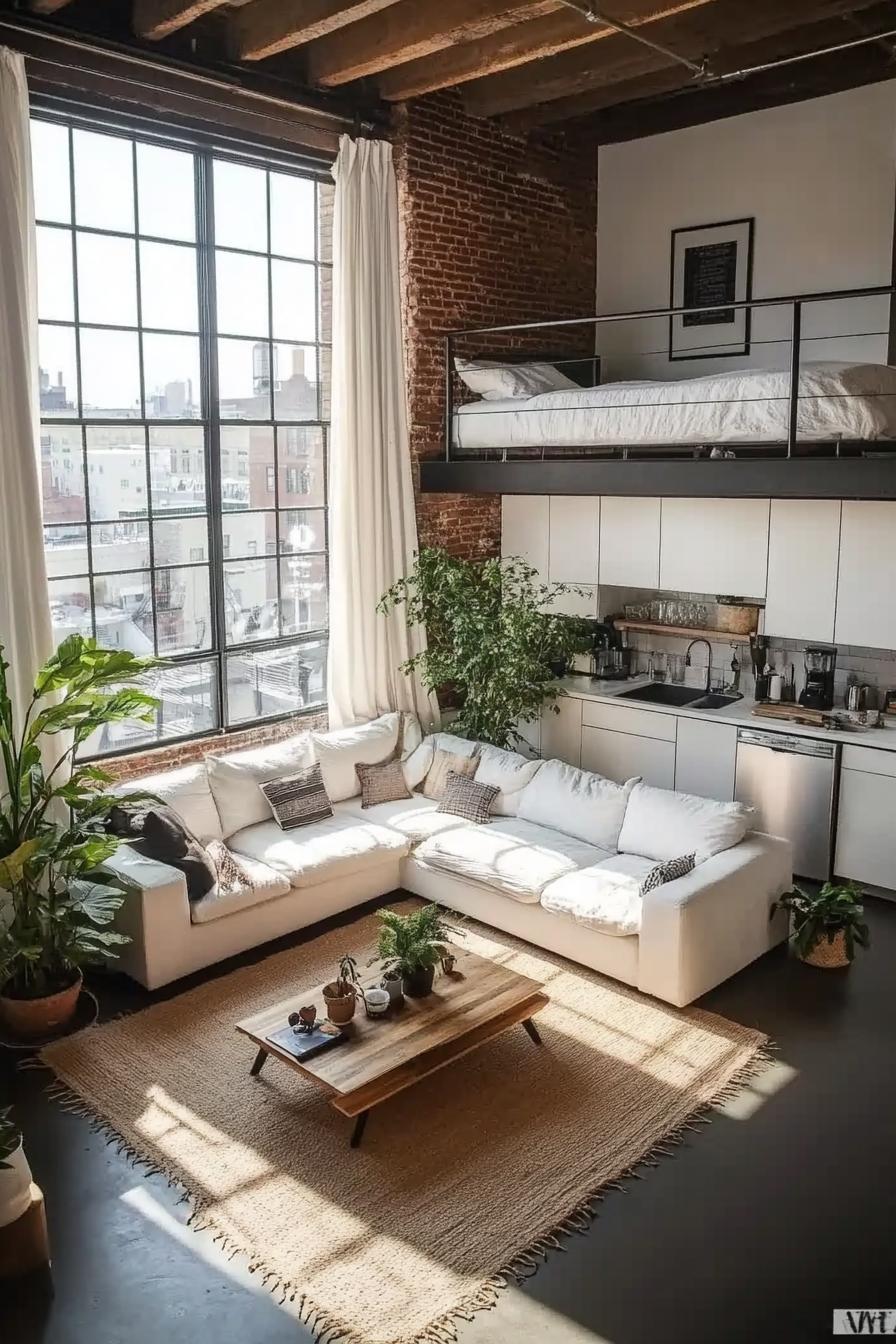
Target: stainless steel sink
{"points": [[715, 700], [663, 693]]}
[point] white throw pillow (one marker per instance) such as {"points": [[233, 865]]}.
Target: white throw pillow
{"points": [[494, 381], [234, 779], [362, 744], [578, 803], [661, 824], [509, 773], [186, 791], [416, 765]]}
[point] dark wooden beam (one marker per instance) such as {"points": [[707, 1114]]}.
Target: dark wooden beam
{"points": [[267, 27], [694, 34], [155, 19], [508, 47], [411, 30], [47, 6]]}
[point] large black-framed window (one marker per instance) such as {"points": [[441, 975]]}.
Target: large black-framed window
{"points": [[184, 348]]}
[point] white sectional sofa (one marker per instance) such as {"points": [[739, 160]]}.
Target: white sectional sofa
{"points": [[559, 865]]}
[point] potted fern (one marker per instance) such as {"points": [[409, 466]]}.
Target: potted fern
{"points": [[413, 946], [56, 903], [15, 1173], [826, 926], [340, 995]]}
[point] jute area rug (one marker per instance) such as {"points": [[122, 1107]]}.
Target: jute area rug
{"points": [[462, 1181]]}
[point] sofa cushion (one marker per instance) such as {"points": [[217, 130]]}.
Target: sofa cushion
{"points": [[577, 802], [444, 763], [661, 824], [186, 791], [509, 773], [383, 783], [511, 855], [298, 800], [361, 744], [234, 779], [326, 849], [605, 897], [467, 798], [264, 885], [416, 818]]}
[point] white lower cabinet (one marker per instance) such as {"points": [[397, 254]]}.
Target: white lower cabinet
{"points": [[622, 756], [561, 733], [866, 839], [705, 758]]}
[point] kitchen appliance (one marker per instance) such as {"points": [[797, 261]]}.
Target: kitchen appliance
{"points": [[609, 660], [792, 783], [857, 697], [818, 691]]}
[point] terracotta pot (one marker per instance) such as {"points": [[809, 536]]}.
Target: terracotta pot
{"points": [[340, 1007], [828, 955], [15, 1186], [419, 983], [31, 1019]]}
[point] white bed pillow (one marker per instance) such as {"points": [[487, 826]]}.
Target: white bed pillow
{"points": [[509, 773], [661, 824], [234, 779], [361, 744], [186, 791], [494, 381], [577, 803]]}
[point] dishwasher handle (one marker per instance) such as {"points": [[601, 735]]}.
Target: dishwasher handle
{"points": [[787, 743]]}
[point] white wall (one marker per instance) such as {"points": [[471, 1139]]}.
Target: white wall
{"points": [[819, 177]]}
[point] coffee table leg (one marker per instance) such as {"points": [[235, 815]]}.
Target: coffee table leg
{"points": [[259, 1061], [358, 1131], [532, 1030]]}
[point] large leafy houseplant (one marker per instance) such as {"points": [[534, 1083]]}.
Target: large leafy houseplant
{"points": [[413, 946], [491, 638], [827, 925], [56, 904]]}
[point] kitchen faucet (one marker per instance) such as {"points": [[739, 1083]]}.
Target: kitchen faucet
{"points": [[687, 660]]}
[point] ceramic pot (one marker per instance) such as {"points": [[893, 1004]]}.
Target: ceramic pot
{"points": [[829, 956], [419, 983], [376, 1001], [392, 986], [34, 1019], [340, 1007], [15, 1186]]}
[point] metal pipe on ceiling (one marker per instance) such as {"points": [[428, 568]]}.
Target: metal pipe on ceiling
{"points": [[591, 14]]}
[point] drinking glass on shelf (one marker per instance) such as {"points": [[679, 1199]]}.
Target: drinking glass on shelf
{"points": [[676, 667], [656, 611], [701, 615]]}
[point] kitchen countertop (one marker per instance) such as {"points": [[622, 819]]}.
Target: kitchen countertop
{"points": [[740, 713]]}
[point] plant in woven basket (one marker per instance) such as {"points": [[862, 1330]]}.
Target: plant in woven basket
{"points": [[414, 945], [826, 926]]}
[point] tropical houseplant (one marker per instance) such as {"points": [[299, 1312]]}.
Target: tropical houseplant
{"points": [[413, 945], [827, 925], [56, 905], [15, 1173], [492, 634], [340, 995]]}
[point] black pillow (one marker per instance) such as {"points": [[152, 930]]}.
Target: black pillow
{"points": [[167, 839]]}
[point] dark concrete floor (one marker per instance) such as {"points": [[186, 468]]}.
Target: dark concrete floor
{"points": [[778, 1211]]}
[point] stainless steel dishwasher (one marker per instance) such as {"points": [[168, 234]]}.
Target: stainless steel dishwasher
{"points": [[792, 782]]}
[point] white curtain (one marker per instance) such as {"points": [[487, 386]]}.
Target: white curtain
{"points": [[25, 626], [373, 528]]}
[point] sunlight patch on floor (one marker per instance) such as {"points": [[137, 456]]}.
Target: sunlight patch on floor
{"points": [[757, 1091]]}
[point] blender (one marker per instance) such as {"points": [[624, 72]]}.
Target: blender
{"points": [[818, 692]]}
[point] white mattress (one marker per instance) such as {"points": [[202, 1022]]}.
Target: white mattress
{"points": [[848, 401]]}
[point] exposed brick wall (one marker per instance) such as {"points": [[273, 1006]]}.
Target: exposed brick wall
{"points": [[495, 228]]}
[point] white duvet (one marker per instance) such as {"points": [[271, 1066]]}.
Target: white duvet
{"points": [[837, 401]]}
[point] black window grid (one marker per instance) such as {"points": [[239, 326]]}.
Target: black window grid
{"points": [[210, 421]]}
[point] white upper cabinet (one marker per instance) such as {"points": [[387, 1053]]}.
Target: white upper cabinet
{"points": [[866, 606], [574, 538], [803, 552], [630, 541], [715, 546], [525, 529]]}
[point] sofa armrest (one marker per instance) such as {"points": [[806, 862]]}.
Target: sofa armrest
{"points": [[155, 915], [702, 928]]}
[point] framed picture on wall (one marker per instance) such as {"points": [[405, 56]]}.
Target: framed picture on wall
{"points": [[712, 265]]}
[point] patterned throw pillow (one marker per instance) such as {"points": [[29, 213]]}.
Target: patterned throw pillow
{"points": [[299, 799], [382, 783], [667, 872], [232, 876], [442, 762], [464, 797]]}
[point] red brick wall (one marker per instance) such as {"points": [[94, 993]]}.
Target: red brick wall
{"points": [[495, 228], [168, 758]]}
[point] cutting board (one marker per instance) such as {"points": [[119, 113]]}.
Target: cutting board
{"points": [[810, 718]]}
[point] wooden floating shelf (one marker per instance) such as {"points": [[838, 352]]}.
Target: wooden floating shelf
{"points": [[695, 632]]}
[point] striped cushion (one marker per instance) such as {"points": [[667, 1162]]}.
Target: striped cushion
{"points": [[465, 797], [382, 783], [667, 871], [299, 799]]}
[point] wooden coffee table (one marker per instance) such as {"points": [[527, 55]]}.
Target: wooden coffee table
{"points": [[384, 1055]]}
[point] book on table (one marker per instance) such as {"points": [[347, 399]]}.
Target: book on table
{"points": [[305, 1044]]}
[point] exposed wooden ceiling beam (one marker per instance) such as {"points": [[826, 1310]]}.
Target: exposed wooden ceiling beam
{"points": [[155, 19], [514, 46], [412, 30], [267, 27], [47, 6], [695, 33]]}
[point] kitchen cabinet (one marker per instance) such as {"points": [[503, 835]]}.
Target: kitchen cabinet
{"points": [[561, 733], [622, 756], [714, 546], [630, 542], [866, 610], [525, 529], [866, 839], [705, 758], [574, 538], [803, 557]]}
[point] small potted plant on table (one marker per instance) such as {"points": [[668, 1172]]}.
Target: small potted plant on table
{"points": [[341, 994], [413, 945], [826, 926]]}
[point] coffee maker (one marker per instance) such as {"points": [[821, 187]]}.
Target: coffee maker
{"points": [[818, 692], [610, 661]]}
